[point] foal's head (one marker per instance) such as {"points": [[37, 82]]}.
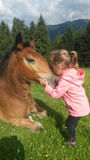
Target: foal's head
{"points": [[29, 64]]}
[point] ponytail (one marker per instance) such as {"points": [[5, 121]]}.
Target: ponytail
{"points": [[73, 59], [63, 57]]}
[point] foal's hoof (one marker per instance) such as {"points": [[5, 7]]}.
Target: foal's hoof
{"points": [[37, 127]]}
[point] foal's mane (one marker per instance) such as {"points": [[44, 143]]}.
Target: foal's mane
{"points": [[4, 58]]}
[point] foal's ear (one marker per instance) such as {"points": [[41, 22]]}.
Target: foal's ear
{"points": [[19, 41], [32, 44]]}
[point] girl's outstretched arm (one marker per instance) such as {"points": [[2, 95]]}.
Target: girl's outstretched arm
{"points": [[60, 89]]}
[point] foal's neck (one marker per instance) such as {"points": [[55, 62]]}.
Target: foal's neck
{"points": [[14, 80]]}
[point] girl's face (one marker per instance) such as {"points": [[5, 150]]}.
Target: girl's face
{"points": [[58, 69]]}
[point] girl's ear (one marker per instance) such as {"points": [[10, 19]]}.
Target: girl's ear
{"points": [[32, 44]]}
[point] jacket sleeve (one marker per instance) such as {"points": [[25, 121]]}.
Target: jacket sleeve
{"points": [[60, 89]]}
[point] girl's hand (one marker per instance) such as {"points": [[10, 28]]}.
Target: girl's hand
{"points": [[44, 82]]}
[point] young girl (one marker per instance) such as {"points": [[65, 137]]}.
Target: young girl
{"points": [[65, 64]]}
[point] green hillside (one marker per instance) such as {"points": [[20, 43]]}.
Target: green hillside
{"points": [[55, 30]]}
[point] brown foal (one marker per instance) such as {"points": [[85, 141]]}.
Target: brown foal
{"points": [[23, 66]]}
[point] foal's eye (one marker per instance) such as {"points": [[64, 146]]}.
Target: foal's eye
{"points": [[30, 60]]}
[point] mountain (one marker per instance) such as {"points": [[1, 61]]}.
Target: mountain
{"points": [[55, 30]]}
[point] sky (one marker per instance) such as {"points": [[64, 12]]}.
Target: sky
{"points": [[53, 11]]}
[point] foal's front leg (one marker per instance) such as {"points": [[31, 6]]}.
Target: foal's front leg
{"points": [[33, 107], [34, 126]]}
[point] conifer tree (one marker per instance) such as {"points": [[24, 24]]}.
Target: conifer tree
{"points": [[5, 38], [41, 35], [85, 47], [78, 39], [18, 26], [68, 39], [58, 43], [32, 29], [65, 41], [25, 33], [87, 44]]}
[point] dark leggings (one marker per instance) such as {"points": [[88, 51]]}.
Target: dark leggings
{"points": [[71, 124]]}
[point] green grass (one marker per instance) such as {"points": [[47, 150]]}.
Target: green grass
{"points": [[17, 143]]}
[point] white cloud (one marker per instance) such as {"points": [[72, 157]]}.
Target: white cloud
{"points": [[53, 11], [4, 11], [83, 1]]}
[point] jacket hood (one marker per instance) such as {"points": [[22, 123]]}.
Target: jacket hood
{"points": [[73, 76]]}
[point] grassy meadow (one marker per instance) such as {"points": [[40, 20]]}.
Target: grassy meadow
{"points": [[17, 143]]}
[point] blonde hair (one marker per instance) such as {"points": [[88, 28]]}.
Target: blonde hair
{"points": [[64, 58]]}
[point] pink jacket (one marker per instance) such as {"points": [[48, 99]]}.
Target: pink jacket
{"points": [[70, 88]]}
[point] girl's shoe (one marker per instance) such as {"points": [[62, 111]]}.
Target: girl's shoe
{"points": [[70, 143], [73, 144]]}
